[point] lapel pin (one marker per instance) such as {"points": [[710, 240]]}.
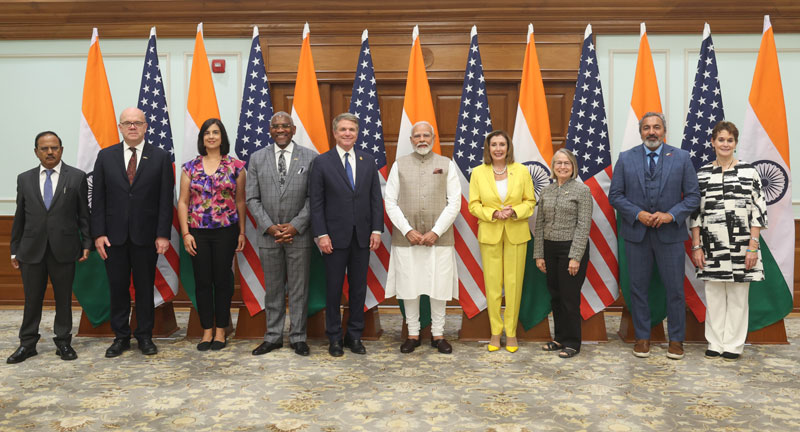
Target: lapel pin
{"points": [[360, 158], [144, 157]]}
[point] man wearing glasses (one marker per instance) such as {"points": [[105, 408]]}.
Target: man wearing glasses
{"points": [[132, 195]]}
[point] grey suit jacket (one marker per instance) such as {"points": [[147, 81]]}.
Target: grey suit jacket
{"points": [[65, 225], [269, 206]]}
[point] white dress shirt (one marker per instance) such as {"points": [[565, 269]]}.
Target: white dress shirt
{"points": [[53, 178], [127, 154], [287, 156]]}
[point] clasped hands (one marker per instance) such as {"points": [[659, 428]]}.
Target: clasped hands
{"points": [[504, 213], [418, 239], [283, 233], [654, 220]]}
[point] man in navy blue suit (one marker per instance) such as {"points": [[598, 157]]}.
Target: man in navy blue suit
{"points": [[654, 189], [132, 193], [347, 220]]}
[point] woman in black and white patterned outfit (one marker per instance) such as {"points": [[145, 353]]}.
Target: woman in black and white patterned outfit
{"points": [[725, 241]]}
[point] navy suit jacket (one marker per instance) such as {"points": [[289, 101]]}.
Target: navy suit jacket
{"points": [[337, 209], [65, 226], [679, 194], [140, 211]]}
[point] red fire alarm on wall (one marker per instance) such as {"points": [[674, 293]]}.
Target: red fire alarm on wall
{"points": [[218, 66]]}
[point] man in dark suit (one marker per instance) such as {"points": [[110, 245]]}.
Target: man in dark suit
{"points": [[132, 195], [277, 196], [347, 220], [50, 232], [654, 189]]}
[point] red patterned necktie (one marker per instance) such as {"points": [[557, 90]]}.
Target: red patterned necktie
{"points": [[132, 165]]}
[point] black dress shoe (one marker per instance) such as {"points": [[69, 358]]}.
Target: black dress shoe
{"points": [[116, 348], [711, 354], [442, 345], [301, 348], [204, 346], [729, 356], [266, 347], [66, 352], [335, 349], [147, 347], [409, 345], [355, 346], [218, 345], [21, 354]]}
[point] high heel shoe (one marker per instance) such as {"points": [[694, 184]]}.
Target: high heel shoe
{"points": [[511, 349], [492, 348]]}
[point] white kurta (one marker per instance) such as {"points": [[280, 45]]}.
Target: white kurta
{"points": [[418, 270]]}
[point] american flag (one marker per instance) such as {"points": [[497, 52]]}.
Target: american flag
{"points": [[253, 135], [474, 123], [587, 138], [364, 104], [152, 100], [705, 110]]}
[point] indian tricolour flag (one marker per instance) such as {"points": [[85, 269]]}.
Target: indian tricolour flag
{"points": [[764, 142], [98, 130], [201, 104], [417, 102], [313, 134], [533, 146]]}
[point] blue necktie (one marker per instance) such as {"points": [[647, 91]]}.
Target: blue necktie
{"points": [[349, 170], [652, 163], [48, 189]]}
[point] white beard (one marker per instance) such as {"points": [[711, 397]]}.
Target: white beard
{"points": [[422, 151]]}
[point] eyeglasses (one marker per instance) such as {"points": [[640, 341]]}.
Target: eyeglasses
{"points": [[562, 163], [280, 126], [128, 124]]}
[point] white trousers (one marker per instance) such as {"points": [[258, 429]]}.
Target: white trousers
{"points": [[727, 315], [437, 316]]}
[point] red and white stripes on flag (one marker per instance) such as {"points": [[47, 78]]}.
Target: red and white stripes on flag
{"points": [[364, 104], [587, 138], [253, 134], [474, 122], [152, 101]]}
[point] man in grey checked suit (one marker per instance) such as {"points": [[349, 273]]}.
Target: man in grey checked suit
{"points": [[654, 189], [277, 196]]}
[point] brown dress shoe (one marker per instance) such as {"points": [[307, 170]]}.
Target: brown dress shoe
{"points": [[442, 345], [642, 348], [409, 345], [675, 351]]}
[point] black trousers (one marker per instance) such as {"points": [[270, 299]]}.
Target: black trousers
{"points": [[565, 292], [34, 282], [354, 261], [213, 276], [128, 262]]}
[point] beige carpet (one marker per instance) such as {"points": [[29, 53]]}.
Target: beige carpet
{"points": [[605, 388]]}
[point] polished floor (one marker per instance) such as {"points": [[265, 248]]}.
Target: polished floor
{"points": [[604, 388]]}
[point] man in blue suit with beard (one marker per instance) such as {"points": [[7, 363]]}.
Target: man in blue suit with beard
{"points": [[654, 189]]}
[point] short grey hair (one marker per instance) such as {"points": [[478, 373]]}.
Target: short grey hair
{"points": [[572, 159], [282, 114], [421, 123], [345, 116], [653, 114]]}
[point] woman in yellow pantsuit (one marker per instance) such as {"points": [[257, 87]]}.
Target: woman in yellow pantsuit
{"points": [[501, 197]]}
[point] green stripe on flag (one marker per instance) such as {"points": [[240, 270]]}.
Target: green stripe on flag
{"points": [[316, 283], [770, 300], [91, 289], [535, 303]]}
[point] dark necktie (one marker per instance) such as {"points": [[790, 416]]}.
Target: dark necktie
{"points": [[132, 165], [349, 170], [48, 189], [282, 168], [652, 163]]}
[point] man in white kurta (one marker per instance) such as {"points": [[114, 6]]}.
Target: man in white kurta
{"points": [[423, 198]]}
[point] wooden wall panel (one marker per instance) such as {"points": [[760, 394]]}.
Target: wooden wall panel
{"points": [[47, 19]]}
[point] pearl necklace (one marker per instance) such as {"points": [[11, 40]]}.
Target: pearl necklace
{"points": [[505, 168]]}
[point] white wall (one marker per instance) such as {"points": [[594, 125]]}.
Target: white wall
{"points": [[41, 84]]}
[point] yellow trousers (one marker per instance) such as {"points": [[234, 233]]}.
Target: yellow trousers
{"points": [[503, 267]]}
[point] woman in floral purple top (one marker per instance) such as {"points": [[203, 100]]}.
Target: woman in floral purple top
{"points": [[211, 210]]}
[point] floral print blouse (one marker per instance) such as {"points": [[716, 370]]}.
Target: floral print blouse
{"points": [[212, 198]]}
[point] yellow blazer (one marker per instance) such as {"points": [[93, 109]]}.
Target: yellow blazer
{"points": [[484, 200]]}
